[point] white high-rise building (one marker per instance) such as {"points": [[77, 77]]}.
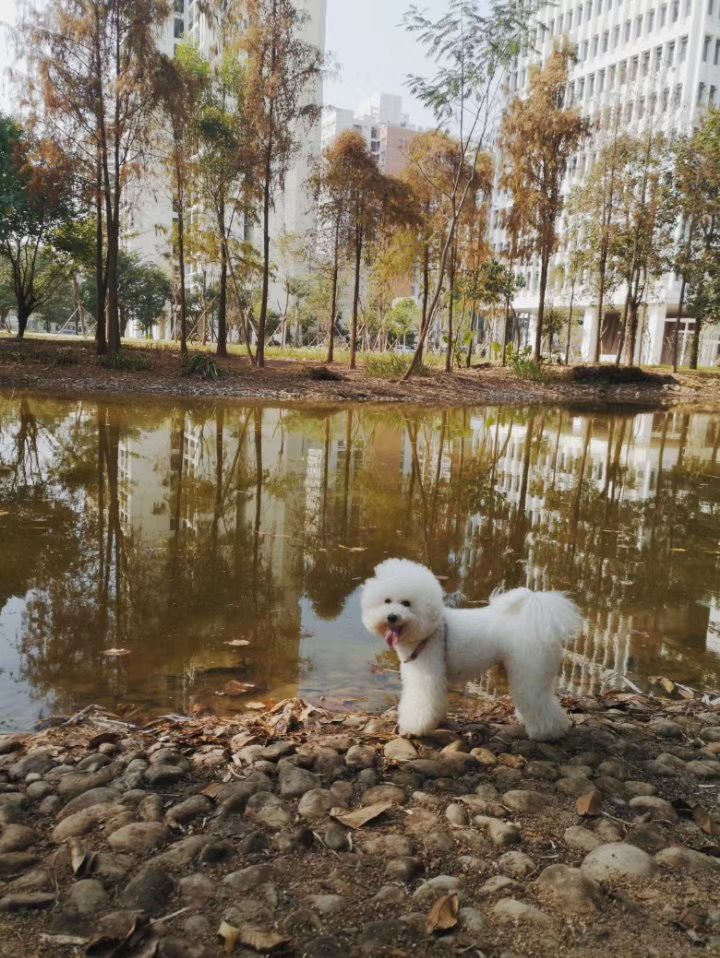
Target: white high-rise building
{"points": [[150, 214], [381, 121], [658, 61]]}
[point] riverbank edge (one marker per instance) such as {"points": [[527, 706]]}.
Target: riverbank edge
{"points": [[38, 367], [298, 831]]}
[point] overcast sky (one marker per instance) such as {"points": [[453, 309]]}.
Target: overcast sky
{"points": [[373, 51]]}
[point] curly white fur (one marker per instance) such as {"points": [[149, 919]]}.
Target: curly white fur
{"points": [[523, 630]]}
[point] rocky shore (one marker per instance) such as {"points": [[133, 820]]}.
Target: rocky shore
{"points": [[296, 831]]}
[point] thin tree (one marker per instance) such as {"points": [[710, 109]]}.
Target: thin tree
{"points": [[539, 135], [96, 62], [283, 76], [471, 44]]}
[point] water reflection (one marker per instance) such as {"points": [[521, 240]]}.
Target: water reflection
{"points": [[171, 531]]}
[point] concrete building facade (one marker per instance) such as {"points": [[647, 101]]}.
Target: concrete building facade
{"points": [[381, 121], [658, 63]]}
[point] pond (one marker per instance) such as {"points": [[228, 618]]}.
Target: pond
{"points": [[221, 549]]}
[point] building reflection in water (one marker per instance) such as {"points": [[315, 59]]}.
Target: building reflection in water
{"points": [[172, 531]]}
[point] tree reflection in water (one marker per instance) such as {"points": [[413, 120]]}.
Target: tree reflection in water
{"points": [[171, 531]]}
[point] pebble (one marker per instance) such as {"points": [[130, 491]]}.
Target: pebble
{"points": [[197, 888], [658, 809], [360, 756], [617, 860], [383, 793], [24, 901], [39, 790], [497, 884], [150, 890], [390, 845], [267, 809], [457, 814], [399, 750], [95, 796], [472, 921], [569, 888], [186, 811], [524, 800], [316, 803], [686, 859], [87, 897], [665, 728], [403, 869], [581, 839], [512, 910], [75, 783], [139, 837], [162, 776], [326, 904], [295, 781], [704, 769], [639, 788], [649, 836], [16, 838], [500, 833], [440, 885], [336, 838], [84, 821], [515, 865], [13, 863]]}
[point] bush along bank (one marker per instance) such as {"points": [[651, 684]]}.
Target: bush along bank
{"points": [[302, 832]]}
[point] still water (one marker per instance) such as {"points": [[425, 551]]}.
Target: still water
{"points": [[171, 531]]}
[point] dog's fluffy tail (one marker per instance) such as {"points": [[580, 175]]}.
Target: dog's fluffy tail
{"points": [[545, 618]]}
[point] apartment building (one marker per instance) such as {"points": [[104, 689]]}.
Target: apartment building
{"points": [[383, 124], [658, 63], [150, 215]]}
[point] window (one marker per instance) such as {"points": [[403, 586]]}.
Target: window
{"points": [[611, 77], [650, 22], [657, 59], [585, 47], [664, 99], [716, 58], [674, 10], [683, 50], [179, 28], [711, 96], [591, 85], [595, 45], [677, 95], [628, 112], [645, 64], [633, 69], [598, 7], [588, 9], [568, 20], [628, 28], [622, 72], [701, 92], [578, 15], [663, 15], [706, 48], [580, 89], [616, 36], [688, 7], [652, 103], [671, 53], [601, 81], [710, 7], [638, 25], [605, 41], [641, 108]]}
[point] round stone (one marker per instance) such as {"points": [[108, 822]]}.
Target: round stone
{"points": [[617, 860], [581, 839]]}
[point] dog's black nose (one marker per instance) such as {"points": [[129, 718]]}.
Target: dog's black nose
{"points": [[392, 618]]}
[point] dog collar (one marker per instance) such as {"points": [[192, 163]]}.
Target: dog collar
{"points": [[421, 646]]}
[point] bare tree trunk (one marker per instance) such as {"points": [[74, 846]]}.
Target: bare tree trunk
{"points": [[181, 269], [570, 321], [356, 295], [678, 320], [695, 352], [333, 298], [544, 263], [100, 330], [222, 295], [505, 330], [451, 303]]}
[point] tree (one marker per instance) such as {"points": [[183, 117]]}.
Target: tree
{"points": [[182, 82], [145, 292], [471, 47], [642, 233], [37, 198], [593, 208], [539, 135], [97, 65], [696, 184], [283, 73]]}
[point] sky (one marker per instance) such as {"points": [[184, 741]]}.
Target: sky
{"points": [[374, 52], [366, 40]]}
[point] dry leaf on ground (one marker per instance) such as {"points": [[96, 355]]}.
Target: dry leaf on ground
{"points": [[115, 652], [237, 643], [261, 939], [589, 803], [361, 816], [230, 935], [233, 687], [443, 914]]}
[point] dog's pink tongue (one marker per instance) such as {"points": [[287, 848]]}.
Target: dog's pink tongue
{"points": [[391, 638]]}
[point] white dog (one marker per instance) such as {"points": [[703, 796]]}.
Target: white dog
{"points": [[523, 630]]}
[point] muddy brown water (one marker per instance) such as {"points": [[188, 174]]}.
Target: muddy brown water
{"points": [[222, 548]]}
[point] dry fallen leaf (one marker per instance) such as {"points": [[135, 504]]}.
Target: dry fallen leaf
{"points": [[233, 687], [116, 652], [237, 643], [212, 790], [589, 803], [261, 939], [705, 820], [229, 935], [443, 914], [361, 816], [352, 548], [255, 706], [665, 683]]}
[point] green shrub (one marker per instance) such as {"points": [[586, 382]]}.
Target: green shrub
{"points": [[202, 365], [524, 367], [386, 366], [126, 364]]}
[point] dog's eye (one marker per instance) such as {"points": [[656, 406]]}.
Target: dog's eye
{"points": [[388, 601], [405, 603]]}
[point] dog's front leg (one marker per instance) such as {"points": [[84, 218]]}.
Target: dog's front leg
{"points": [[424, 697]]}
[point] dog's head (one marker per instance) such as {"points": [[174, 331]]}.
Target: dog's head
{"points": [[403, 603]]}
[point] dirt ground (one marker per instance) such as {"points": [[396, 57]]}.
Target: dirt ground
{"points": [[61, 368], [300, 832]]}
